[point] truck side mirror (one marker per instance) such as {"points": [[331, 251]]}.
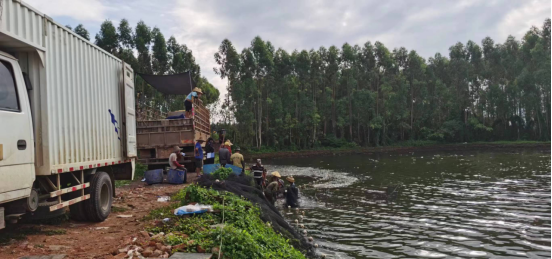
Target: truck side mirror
{"points": [[27, 82]]}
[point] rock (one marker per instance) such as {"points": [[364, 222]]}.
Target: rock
{"points": [[166, 249], [158, 236], [215, 250], [23, 244], [148, 252], [191, 256], [60, 256], [144, 234], [124, 250], [57, 247], [200, 249], [159, 246], [180, 247], [217, 226], [310, 239], [157, 253], [165, 255]]}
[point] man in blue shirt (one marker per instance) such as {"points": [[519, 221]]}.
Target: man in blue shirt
{"points": [[196, 93], [198, 151]]}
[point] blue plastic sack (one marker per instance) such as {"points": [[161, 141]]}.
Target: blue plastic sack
{"points": [[192, 209], [176, 176], [154, 176]]}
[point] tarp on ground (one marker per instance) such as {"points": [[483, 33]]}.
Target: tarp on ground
{"points": [[210, 168], [178, 84]]}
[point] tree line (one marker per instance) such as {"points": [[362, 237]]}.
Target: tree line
{"points": [[371, 96], [155, 56]]}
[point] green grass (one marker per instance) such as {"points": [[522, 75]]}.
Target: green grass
{"points": [[511, 142], [408, 143], [138, 175], [245, 235]]}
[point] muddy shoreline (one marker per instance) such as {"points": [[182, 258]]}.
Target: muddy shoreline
{"points": [[544, 147]]}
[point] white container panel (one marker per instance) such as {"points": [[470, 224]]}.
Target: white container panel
{"points": [[77, 90], [21, 21], [84, 89]]}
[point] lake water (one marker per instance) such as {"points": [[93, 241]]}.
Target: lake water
{"points": [[452, 205]]}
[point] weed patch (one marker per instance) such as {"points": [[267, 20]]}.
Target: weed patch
{"points": [[244, 234]]}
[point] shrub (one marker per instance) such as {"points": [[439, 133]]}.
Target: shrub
{"points": [[222, 173], [244, 235]]}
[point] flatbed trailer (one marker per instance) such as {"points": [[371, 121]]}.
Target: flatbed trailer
{"points": [[156, 138]]}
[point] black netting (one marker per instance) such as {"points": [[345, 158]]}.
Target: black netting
{"points": [[243, 185]]}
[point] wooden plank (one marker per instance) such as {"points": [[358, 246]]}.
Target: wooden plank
{"points": [[69, 202], [70, 189]]}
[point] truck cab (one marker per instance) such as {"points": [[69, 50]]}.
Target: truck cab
{"points": [[16, 141]]}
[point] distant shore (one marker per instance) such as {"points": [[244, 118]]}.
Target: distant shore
{"points": [[499, 145]]}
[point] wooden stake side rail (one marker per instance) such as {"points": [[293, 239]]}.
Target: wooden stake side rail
{"points": [[68, 190], [69, 202]]}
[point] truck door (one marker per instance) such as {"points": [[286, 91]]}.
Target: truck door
{"points": [[130, 113], [16, 140]]}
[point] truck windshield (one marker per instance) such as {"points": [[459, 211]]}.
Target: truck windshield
{"points": [[8, 92]]}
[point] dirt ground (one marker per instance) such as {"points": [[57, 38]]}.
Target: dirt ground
{"points": [[93, 240]]}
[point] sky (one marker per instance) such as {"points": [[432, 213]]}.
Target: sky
{"points": [[427, 26]]}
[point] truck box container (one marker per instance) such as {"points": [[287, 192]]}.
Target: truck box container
{"points": [[78, 96], [69, 119]]}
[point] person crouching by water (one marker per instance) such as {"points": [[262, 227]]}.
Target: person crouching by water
{"points": [[198, 151], [292, 193], [209, 152], [174, 157], [259, 174], [273, 188], [237, 160], [224, 156]]}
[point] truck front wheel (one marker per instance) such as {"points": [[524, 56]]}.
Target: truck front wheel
{"points": [[98, 206]]}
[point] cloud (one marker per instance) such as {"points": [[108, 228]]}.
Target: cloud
{"points": [[83, 10], [427, 26], [517, 21]]}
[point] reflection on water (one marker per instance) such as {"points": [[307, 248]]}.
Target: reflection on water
{"points": [[453, 205]]}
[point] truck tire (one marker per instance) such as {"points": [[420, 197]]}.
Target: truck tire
{"points": [[98, 207], [77, 212], [43, 212]]}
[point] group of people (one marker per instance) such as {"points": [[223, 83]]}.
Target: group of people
{"points": [[273, 189]]}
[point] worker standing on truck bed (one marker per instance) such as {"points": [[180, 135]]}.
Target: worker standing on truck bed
{"points": [[174, 157], [196, 93], [198, 156], [237, 160]]}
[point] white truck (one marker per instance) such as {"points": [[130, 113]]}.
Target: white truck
{"points": [[67, 120]]}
